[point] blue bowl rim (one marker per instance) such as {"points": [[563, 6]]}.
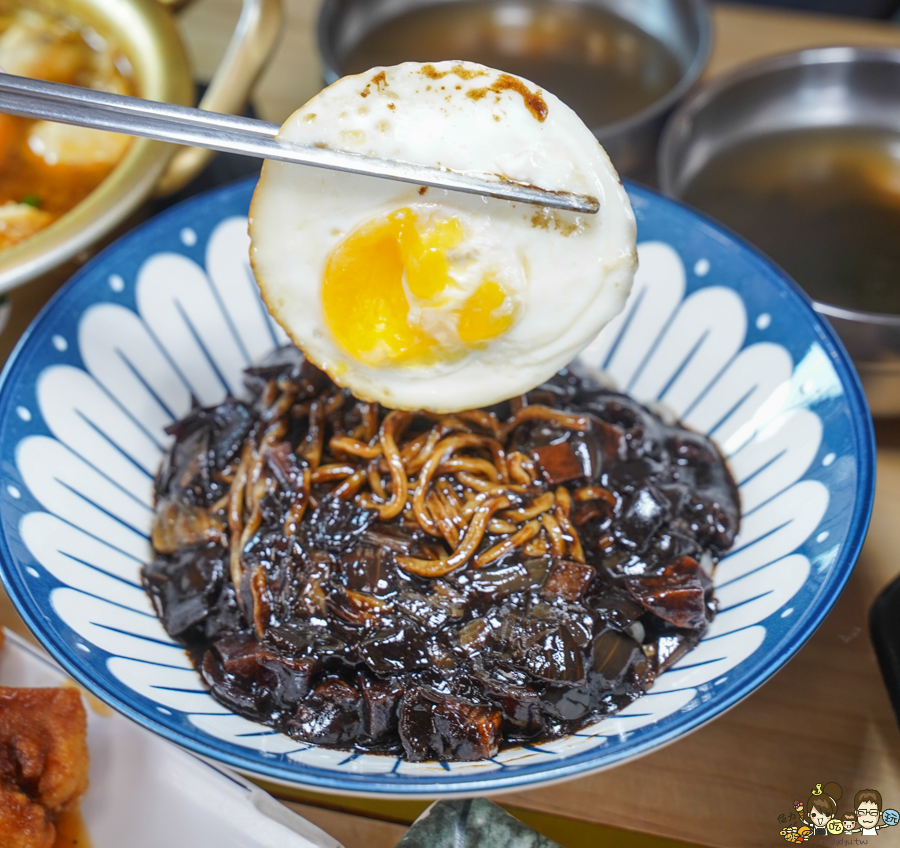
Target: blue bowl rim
{"points": [[450, 785]]}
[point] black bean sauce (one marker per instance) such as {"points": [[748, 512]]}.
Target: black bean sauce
{"points": [[548, 558]]}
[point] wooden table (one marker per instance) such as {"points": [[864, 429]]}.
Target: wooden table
{"points": [[824, 717]]}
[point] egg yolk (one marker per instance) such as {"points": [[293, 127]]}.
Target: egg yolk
{"points": [[373, 274]]}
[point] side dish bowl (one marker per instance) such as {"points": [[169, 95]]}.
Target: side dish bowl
{"points": [[531, 47], [713, 332], [147, 34], [822, 90]]}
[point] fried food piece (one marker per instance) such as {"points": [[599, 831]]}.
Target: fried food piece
{"points": [[44, 734], [43, 762], [24, 824]]}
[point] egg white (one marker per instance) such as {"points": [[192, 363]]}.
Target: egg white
{"points": [[568, 274]]}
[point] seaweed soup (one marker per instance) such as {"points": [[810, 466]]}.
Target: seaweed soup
{"points": [[434, 586]]}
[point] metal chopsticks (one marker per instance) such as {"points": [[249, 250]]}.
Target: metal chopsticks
{"points": [[194, 127]]}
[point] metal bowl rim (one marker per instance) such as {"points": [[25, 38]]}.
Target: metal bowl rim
{"points": [[708, 93], [861, 316], [699, 10]]}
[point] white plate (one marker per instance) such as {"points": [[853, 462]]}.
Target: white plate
{"points": [[147, 793]]}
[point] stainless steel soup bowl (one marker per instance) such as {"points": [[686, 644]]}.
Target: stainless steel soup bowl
{"points": [[683, 26], [827, 88]]}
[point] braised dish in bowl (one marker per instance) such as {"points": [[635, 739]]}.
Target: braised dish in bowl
{"points": [[63, 187], [434, 586], [46, 169], [713, 336]]}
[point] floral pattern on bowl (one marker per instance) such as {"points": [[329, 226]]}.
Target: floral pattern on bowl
{"points": [[712, 332]]}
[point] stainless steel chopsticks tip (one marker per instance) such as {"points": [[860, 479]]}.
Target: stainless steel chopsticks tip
{"points": [[233, 134]]}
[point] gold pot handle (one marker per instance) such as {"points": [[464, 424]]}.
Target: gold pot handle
{"points": [[252, 43]]}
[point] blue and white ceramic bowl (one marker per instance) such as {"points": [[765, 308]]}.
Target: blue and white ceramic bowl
{"points": [[712, 331]]}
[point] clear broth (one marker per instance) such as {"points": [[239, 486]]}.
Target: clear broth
{"points": [[602, 66], [823, 203]]}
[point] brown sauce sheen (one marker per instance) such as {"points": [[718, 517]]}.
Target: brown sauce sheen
{"points": [[532, 99], [534, 103], [601, 65], [71, 831], [461, 71], [437, 587]]}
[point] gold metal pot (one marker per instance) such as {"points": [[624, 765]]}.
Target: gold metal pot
{"points": [[145, 31]]}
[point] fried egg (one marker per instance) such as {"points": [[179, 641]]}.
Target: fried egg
{"points": [[420, 298]]}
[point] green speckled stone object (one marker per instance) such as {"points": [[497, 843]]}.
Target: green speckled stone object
{"points": [[476, 823]]}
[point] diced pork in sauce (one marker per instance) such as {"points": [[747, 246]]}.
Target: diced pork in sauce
{"points": [[438, 587]]}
